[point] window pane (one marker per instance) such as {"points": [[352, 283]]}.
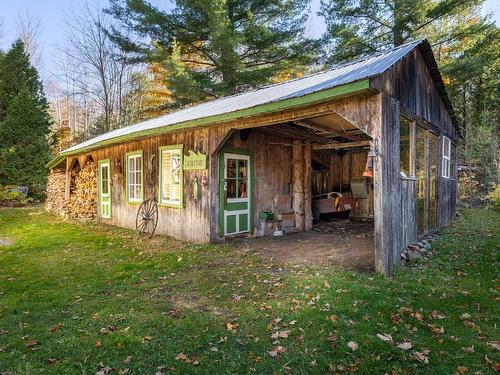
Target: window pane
{"points": [[231, 168], [134, 176], [242, 188], [446, 147], [242, 169], [433, 175], [453, 161], [421, 179], [405, 146], [231, 189]]}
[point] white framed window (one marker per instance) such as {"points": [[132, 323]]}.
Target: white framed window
{"points": [[446, 160], [171, 176], [135, 176]]}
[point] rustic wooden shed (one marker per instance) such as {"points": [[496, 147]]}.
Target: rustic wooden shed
{"points": [[216, 167]]}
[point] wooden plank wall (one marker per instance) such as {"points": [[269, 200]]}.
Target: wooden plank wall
{"points": [[408, 212], [447, 196], [410, 83], [190, 223]]}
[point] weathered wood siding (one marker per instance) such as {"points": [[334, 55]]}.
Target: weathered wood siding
{"points": [[410, 84], [408, 212], [189, 223]]}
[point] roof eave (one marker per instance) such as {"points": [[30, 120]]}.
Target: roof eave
{"points": [[348, 89]]}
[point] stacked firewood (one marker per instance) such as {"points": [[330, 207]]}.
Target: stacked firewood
{"points": [[82, 202], [56, 184]]}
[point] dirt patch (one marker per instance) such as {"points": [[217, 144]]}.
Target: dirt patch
{"points": [[343, 243], [5, 242]]}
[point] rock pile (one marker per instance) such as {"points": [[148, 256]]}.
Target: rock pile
{"points": [[417, 250]]}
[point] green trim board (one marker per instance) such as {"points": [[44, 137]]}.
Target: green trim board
{"points": [[349, 89], [160, 176], [127, 156], [236, 210], [101, 197]]}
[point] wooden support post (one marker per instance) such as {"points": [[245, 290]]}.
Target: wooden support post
{"points": [[67, 187], [387, 185], [308, 216], [332, 172], [298, 184]]}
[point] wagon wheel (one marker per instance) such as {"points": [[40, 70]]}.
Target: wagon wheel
{"points": [[147, 217]]}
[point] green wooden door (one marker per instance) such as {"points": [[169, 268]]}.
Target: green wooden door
{"points": [[105, 189], [235, 193]]}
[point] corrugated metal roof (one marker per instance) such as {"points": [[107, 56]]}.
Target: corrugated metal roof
{"points": [[339, 75]]}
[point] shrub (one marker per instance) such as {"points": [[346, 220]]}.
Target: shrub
{"points": [[494, 198], [12, 197]]}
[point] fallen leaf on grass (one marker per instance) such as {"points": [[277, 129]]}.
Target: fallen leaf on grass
{"points": [[462, 370], [56, 327], [495, 345], [421, 357], [436, 329], [469, 349], [232, 326], [280, 335], [127, 360], [32, 343], [352, 345], [105, 371], [405, 345], [275, 351], [272, 353], [384, 337], [98, 344], [436, 315]]}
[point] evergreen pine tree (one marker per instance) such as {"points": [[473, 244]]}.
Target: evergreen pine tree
{"points": [[24, 122], [360, 27], [16, 72], [215, 48], [24, 150]]}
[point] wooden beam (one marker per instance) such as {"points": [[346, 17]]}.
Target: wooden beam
{"points": [[327, 131], [272, 131], [308, 216], [340, 146], [298, 184], [300, 134]]}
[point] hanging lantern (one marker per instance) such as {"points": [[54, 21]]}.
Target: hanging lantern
{"points": [[369, 164]]}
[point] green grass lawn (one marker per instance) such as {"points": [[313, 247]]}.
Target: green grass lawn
{"points": [[83, 299]]}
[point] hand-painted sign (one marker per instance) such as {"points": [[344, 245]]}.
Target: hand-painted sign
{"points": [[195, 161]]}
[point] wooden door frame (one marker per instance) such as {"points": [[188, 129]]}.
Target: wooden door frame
{"points": [[243, 152], [99, 187]]}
